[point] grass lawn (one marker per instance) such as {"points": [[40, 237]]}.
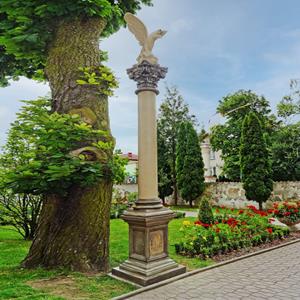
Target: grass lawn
{"points": [[70, 285]]}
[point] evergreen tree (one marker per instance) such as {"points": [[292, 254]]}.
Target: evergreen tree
{"points": [[255, 161], [189, 164], [165, 186], [172, 112], [59, 41]]}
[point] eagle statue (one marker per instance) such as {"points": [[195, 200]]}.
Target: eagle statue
{"points": [[137, 27]]}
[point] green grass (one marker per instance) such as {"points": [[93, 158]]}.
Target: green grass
{"points": [[183, 208], [13, 279]]}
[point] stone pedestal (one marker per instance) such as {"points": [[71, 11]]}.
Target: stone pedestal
{"points": [[148, 220]]}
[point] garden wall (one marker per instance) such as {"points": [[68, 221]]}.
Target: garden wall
{"points": [[232, 194]]}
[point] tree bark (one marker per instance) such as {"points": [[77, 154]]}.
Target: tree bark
{"points": [[73, 230]]}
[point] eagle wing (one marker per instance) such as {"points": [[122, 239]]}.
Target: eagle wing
{"points": [[137, 27]]}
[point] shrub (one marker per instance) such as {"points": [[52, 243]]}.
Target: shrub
{"points": [[205, 214], [287, 212]]}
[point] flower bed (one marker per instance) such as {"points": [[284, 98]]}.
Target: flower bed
{"points": [[230, 231], [287, 212]]}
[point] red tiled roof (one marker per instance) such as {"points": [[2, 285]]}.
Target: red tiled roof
{"points": [[129, 156]]}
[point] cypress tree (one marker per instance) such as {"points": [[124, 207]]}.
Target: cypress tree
{"points": [[255, 161], [189, 164]]}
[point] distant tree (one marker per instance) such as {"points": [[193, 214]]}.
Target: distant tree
{"points": [[189, 164], [285, 152], [226, 137], [172, 112], [290, 104], [59, 41], [255, 161], [165, 184]]}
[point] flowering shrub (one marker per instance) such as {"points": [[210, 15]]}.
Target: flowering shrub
{"points": [[287, 212], [230, 231]]}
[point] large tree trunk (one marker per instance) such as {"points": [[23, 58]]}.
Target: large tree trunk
{"points": [[73, 230]]}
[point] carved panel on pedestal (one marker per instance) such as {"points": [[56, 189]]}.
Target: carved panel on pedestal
{"points": [[156, 242], [138, 242]]}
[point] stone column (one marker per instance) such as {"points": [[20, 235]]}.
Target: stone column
{"points": [[148, 220]]}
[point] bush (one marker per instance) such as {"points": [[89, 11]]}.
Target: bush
{"points": [[205, 214], [21, 211], [287, 212]]}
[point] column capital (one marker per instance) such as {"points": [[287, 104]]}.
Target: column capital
{"points": [[147, 76]]}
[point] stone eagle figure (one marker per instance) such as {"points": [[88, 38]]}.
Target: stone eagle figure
{"points": [[137, 27]]}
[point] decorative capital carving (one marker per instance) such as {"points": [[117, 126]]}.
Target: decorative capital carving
{"points": [[147, 76]]}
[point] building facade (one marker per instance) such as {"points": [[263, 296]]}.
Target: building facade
{"points": [[213, 162]]}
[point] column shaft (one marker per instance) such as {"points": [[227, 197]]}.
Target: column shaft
{"points": [[147, 145]]}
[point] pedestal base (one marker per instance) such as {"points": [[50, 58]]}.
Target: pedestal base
{"points": [[148, 260], [148, 273]]}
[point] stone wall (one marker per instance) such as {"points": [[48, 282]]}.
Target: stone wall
{"points": [[232, 194]]}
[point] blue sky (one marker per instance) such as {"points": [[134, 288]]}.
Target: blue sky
{"points": [[212, 48]]}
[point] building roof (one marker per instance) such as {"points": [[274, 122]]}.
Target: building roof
{"points": [[130, 156]]}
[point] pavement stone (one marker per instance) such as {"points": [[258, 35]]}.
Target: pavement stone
{"points": [[270, 275]]}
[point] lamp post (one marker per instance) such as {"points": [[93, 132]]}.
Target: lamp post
{"points": [[148, 220]]}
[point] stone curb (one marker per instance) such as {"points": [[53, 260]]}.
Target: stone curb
{"points": [[187, 274]]}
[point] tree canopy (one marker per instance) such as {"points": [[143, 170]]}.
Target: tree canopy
{"points": [[226, 137], [290, 104], [285, 151], [27, 29]]}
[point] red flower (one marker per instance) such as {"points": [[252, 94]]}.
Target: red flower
{"points": [[287, 213], [217, 210], [241, 211], [270, 230], [252, 207], [218, 230], [232, 222], [262, 213], [270, 211], [198, 222]]}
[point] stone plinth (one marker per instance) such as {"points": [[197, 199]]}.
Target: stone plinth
{"points": [[148, 220], [148, 260]]}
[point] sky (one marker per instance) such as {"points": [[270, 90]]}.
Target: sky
{"points": [[212, 48]]}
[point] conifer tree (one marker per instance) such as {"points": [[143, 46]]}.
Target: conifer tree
{"points": [[189, 164], [255, 161], [172, 112]]}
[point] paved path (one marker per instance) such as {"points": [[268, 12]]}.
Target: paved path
{"points": [[189, 213], [272, 275]]}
